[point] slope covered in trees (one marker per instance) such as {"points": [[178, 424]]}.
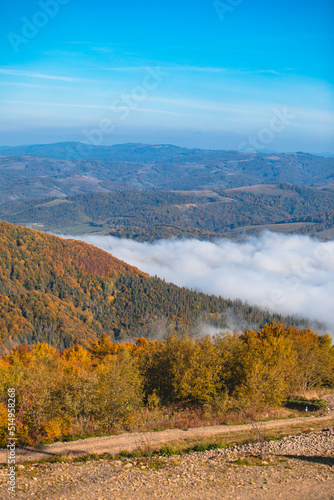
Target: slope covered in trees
{"points": [[52, 170], [147, 215], [66, 292]]}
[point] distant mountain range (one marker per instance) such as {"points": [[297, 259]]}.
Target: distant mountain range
{"points": [[120, 152], [325, 154], [190, 185], [131, 152], [137, 152], [50, 170]]}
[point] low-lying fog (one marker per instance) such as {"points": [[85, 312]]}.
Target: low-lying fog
{"points": [[289, 274]]}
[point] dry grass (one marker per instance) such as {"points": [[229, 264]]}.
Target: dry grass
{"points": [[270, 431], [243, 436], [258, 189], [183, 417], [318, 393], [174, 417]]}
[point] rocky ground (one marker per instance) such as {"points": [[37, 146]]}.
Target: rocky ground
{"points": [[131, 441], [292, 468]]}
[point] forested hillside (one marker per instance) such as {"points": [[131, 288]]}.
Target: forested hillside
{"points": [[147, 215], [53, 170], [65, 292]]}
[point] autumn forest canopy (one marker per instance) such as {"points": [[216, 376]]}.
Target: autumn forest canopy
{"points": [[66, 292]]}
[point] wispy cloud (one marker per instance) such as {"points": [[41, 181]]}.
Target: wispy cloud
{"points": [[266, 71], [96, 44], [217, 69], [103, 49], [81, 43], [17, 72], [93, 106], [166, 68], [63, 53], [30, 85], [235, 112], [245, 108], [198, 69], [45, 76]]}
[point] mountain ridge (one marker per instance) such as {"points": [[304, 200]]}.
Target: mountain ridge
{"points": [[153, 168], [80, 150]]}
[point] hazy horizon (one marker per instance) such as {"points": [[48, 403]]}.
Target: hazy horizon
{"points": [[331, 153]]}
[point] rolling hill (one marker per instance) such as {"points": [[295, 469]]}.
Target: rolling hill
{"points": [[66, 292], [59, 170], [149, 215]]}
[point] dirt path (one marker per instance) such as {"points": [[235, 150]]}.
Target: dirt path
{"points": [[295, 468], [132, 441]]}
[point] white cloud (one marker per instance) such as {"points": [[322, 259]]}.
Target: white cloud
{"points": [[289, 274], [93, 106], [249, 109], [200, 69], [16, 72]]}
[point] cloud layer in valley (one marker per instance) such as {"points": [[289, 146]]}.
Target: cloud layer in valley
{"points": [[289, 274]]}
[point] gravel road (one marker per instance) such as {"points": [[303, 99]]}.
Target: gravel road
{"points": [[294, 468], [135, 440]]}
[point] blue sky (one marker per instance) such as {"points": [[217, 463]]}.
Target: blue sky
{"points": [[249, 74]]}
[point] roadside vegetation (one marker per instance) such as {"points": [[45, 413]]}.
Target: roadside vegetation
{"points": [[180, 382]]}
